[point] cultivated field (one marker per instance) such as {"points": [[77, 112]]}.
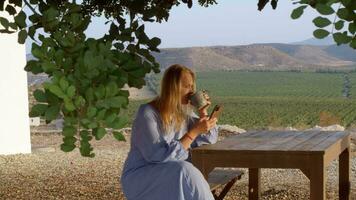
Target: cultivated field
{"points": [[257, 100]]}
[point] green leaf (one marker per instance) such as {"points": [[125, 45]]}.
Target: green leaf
{"points": [[63, 83], [11, 10], [352, 28], [69, 140], [324, 9], [353, 43], [138, 73], [48, 66], [346, 2], [57, 91], [40, 96], [36, 51], [91, 112], [70, 121], [320, 33], [296, 13], [4, 22], [84, 134], [84, 122], [339, 25], [69, 131], [101, 114], [52, 113], [100, 92], [22, 35], [119, 136], [20, 19], [85, 148], [67, 148], [68, 104], [92, 125], [89, 94], [119, 122], [109, 119], [99, 133], [71, 91], [114, 102], [155, 41], [344, 13], [50, 14], [341, 38], [111, 89], [38, 110], [321, 22], [2, 5], [17, 3], [79, 101], [124, 93], [13, 26], [33, 66]]}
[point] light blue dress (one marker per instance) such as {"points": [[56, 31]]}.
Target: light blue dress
{"points": [[157, 166]]}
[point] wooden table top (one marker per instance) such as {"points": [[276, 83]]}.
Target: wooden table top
{"points": [[299, 142]]}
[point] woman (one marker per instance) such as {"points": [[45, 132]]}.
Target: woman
{"points": [[164, 130]]}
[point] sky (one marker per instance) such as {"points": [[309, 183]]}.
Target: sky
{"points": [[230, 22]]}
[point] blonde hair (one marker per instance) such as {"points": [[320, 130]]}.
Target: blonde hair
{"points": [[169, 102]]}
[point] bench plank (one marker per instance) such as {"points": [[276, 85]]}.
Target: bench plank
{"points": [[220, 177]]}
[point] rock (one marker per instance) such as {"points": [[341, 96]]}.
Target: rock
{"points": [[335, 127], [230, 128], [43, 150], [59, 124], [289, 128], [353, 135], [35, 121]]}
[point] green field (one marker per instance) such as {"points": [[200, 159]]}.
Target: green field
{"points": [[258, 100]]}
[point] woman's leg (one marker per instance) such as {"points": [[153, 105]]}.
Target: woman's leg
{"points": [[175, 180]]}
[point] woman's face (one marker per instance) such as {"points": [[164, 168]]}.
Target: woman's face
{"points": [[187, 87]]}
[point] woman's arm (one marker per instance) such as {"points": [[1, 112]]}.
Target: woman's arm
{"points": [[202, 125], [208, 137]]}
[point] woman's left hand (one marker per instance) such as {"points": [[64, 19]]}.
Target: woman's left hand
{"points": [[203, 112]]}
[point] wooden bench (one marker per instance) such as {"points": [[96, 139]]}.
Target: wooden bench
{"points": [[219, 177]]}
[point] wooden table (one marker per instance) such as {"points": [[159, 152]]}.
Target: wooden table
{"points": [[309, 151]]}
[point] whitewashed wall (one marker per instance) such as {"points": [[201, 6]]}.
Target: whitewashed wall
{"points": [[14, 119]]}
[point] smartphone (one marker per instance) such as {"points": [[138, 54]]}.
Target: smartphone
{"points": [[216, 112]]}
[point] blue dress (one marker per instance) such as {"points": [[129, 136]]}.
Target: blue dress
{"points": [[157, 166]]}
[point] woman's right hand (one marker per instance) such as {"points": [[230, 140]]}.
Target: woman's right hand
{"points": [[204, 125]]}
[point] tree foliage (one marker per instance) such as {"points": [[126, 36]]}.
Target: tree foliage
{"points": [[88, 75], [343, 27]]}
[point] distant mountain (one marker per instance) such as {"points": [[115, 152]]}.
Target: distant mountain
{"points": [[343, 52], [317, 42], [272, 56]]}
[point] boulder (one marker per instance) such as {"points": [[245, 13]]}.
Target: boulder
{"points": [[335, 127], [230, 128]]}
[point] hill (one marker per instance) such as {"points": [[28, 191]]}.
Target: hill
{"points": [[274, 56]]}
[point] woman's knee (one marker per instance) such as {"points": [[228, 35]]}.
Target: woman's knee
{"points": [[184, 166]]}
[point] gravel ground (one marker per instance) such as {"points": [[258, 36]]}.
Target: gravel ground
{"points": [[49, 173]]}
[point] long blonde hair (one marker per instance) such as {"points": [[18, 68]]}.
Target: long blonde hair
{"points": [[169, 102]]}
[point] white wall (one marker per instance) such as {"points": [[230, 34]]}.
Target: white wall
{"points": [[14, 119]]}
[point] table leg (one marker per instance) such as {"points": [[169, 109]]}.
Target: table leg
{"points": [[317, 179], [254, 183], [344, 175], [199, 162]]}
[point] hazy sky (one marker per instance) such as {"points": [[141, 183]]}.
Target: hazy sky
{"points": [[230, 22]]}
